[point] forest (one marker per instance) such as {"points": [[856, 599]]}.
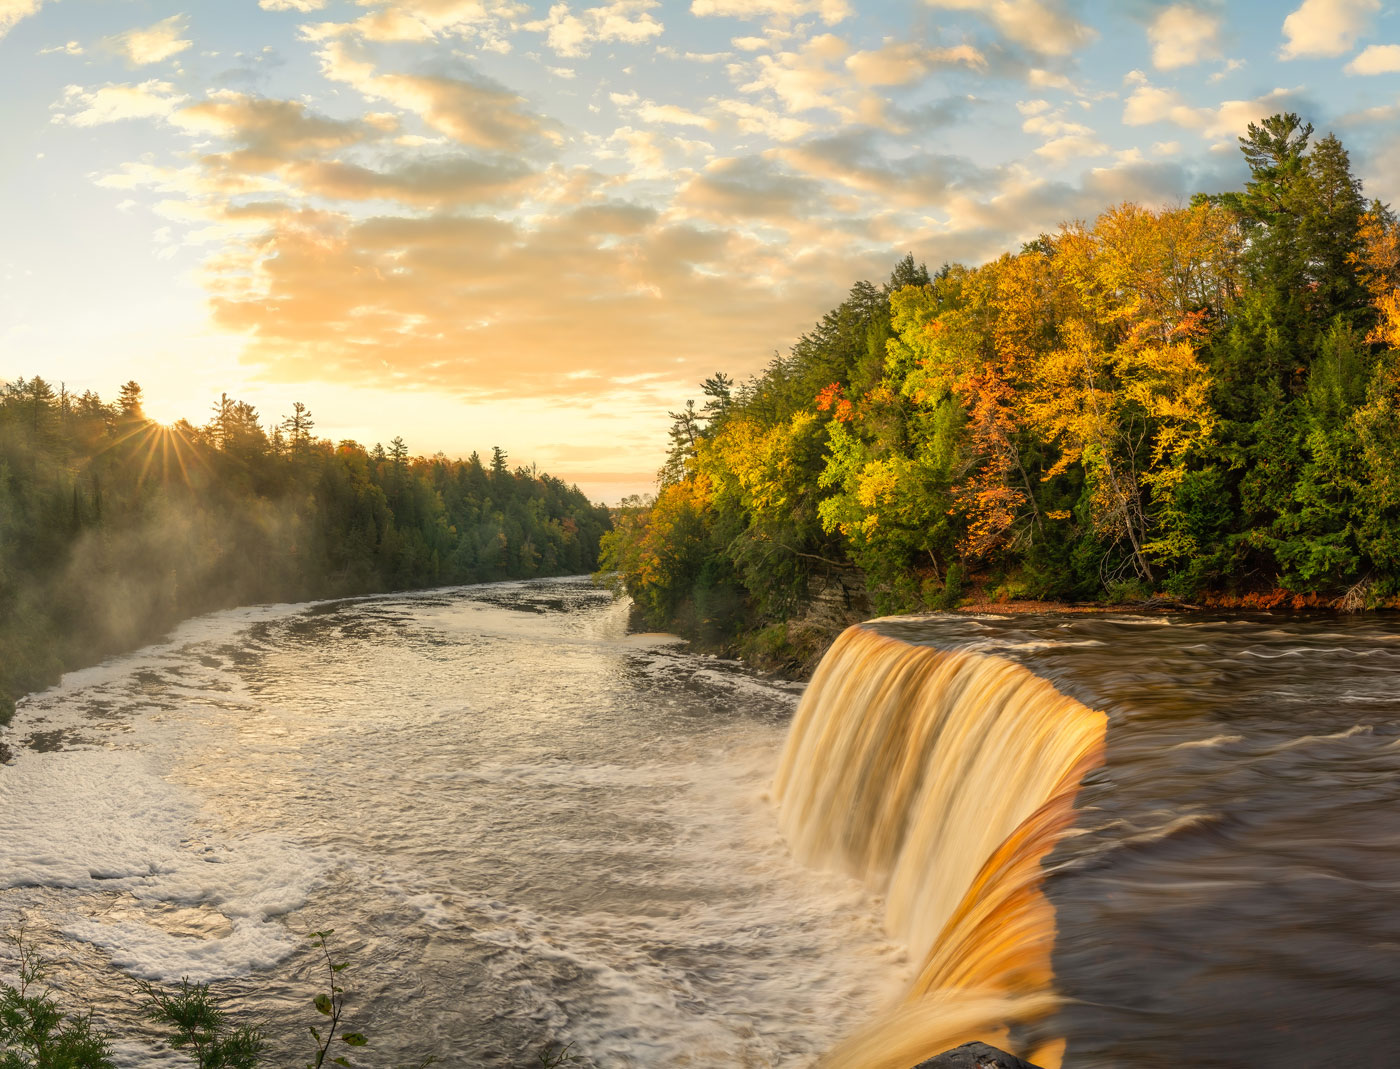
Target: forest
{"points": [[1195, 403], [114, 527]]}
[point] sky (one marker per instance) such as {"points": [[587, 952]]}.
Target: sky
{"points": [[540, 225]]}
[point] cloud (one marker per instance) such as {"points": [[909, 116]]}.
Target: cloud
{"points": [[1043, 79], [439, 300], [1072, 147], [1066, 140], [474, 111], [829, 11], [11, 11], [1182, 36], [921, 181], [279, 146], [1149, 104], [1376, 59], [71, 48], [805, 79], [672, 114], [1326, 27], [1042, 26], [151, 99], [436, 183], [490, 21], [650, 153], [151, 44], [304, 6], [982, 223], [266, 129], [568, 34], [750, 188], [756, 119], [906, 62], [1053, 126]]}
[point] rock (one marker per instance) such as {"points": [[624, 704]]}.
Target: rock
{"points": [[975, 1056]]}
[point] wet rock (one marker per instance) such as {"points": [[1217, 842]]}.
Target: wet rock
{"points": [[975, 1056]]}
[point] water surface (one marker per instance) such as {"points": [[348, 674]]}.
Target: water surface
{"points": [[1229, 895], [523, 824]]}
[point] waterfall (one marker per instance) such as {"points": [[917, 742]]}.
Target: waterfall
{"points": [[941, 779]]}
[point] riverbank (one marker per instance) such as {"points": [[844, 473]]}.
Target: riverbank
{"points": [[792, 649]]}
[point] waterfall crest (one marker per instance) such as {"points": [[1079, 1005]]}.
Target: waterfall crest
{"points": [[941, 779]]}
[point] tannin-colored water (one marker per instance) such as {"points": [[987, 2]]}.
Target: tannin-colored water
{"points": [[1103, 841]]}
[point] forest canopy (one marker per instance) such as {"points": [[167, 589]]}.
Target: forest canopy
{"points": [[1191, 401], [113, 527]]}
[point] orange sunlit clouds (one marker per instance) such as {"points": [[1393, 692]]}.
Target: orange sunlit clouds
{"points": [[539, 220]]}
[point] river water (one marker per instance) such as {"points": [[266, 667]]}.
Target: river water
{"points": [[527, 826], [524, 825]]}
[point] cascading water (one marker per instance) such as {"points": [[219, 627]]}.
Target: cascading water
{"points": [[941, 779]]}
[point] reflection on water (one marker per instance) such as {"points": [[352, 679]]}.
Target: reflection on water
{"points": [[524, 825]]}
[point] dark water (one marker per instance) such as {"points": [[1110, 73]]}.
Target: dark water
{"points": [[523, 824], [1232, 895]]}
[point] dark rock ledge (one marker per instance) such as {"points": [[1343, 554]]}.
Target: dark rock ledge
{"points": [[975, 1056]]}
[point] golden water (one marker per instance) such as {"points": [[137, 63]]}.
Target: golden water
{"points": [[941, 779]]}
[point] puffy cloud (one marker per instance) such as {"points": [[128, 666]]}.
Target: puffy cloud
{"points": [[568, 34], [11, 11], [1073, 147], [906, 62], [475, 112], [668, 114], [755, 119], [1326, 27], [1044, 79], [151, 99], [1149, 104], [424, 20], [1066, 140], [1377, 59], [672, 114], [280, 146], [151, 44], [1182, 36], [1042, 26], [268, 129], [829, 11], [650, 153], [750, 188], [805, 79], [1053, 126]]}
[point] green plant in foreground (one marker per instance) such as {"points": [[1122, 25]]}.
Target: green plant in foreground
{"points": [[35, 1033], [331, 1003], [201, 1029]]}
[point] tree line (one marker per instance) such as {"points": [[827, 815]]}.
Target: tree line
{"points": [[1196, 402], [113, 527]]}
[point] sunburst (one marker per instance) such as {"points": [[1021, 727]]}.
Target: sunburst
{"points": [[168, 448]]}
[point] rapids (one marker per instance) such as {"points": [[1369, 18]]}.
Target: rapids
{"points": [[523, 824], [1109, 840]]}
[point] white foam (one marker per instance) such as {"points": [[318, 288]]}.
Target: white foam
{"points": [[104, 822]]}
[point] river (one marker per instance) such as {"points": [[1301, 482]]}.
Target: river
{"points": [[1157, 841], [524, 826]]}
